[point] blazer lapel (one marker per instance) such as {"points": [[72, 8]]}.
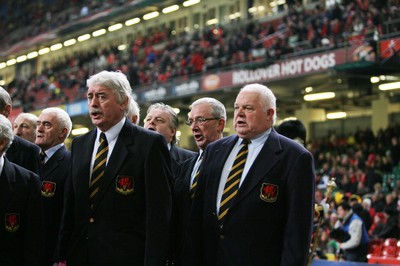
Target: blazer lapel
{"points": [[53, 163], [117, 157], [188, 175], [264, 162], [82, 162]]}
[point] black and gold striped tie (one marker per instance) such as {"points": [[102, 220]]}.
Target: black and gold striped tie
{"points": [[195, 179], [232, 182], [99, 166], [42, 157]]}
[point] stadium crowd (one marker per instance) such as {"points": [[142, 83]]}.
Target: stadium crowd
{"points": [[25, 19], [159, 56], [367, 172]]}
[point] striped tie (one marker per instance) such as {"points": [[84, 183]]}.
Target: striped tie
{"points": [[233, 180], [99, 166], [195, 179], [42, 157]]}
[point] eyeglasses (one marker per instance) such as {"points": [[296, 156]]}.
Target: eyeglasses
{"points": [[200, 120]]}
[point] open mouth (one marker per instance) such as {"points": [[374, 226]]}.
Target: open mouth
{"points": [[240, 123], [95, 114], [198, 137]]}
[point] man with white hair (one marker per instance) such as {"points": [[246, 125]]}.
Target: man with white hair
{"points": [[25, 126], [53, 127], [21, 220], [118, 196]]}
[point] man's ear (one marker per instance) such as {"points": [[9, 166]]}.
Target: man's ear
{"points": [[7, 110], [3, 143]]}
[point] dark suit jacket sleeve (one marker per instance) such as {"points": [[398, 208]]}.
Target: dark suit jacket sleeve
{"points": [[34, 228], [300, 211], [159, 202], [67, 219], [192, 250]]}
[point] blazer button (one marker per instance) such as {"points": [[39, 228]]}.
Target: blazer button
{"points": [[91, 220], [222, 237]]}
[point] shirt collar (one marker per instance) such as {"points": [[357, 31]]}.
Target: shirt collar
{"points": [[113, 132], [260, 139], [52, 150]]}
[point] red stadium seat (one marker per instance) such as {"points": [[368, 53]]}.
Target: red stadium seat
{"points": [[390, 242], [375, 250], [389, 251]]}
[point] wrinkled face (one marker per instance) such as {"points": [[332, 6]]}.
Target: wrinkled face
{"points": [[104, 109], [25, 129], [250, 117], [207, 131], [160, 121], [48, 132]]}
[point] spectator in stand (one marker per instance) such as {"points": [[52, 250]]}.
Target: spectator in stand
{"points": [[361, 212], [356, 247], [395, 150], [367, 204], [293, 129], [373, 174], [390, 229], [25, 126], [377, 225]]}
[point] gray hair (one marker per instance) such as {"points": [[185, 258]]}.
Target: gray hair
{"points": [[116, 81], [62, 118], [133, 109], [30, 117], [267, 97], [217, 108], [174, 121], [6, 132], [5, 99]]}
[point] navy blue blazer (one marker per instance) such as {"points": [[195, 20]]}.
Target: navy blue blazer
{"points": [[270, 220], [25, 154], [181, 209], [53, 175], [21, 220], [129, 221]]}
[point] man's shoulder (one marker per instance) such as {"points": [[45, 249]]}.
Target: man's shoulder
{"points": [[223, 142], [20, 143], [20, 173], [181, 153]]}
